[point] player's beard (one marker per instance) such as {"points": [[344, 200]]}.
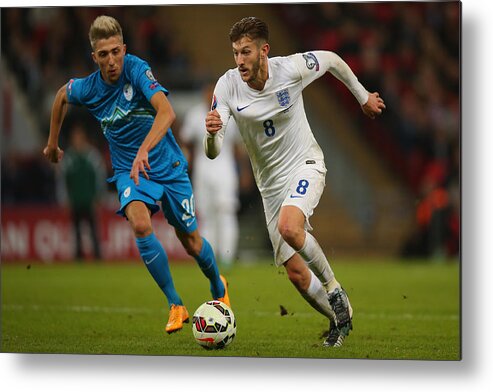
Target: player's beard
{"points": [[255, 72]]}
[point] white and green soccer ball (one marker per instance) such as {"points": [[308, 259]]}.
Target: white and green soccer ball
{"points": [[214, 325]]}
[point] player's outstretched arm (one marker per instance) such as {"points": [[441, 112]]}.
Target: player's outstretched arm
{"points": [[371, 103], [165, 116], [374, 106], [58, 111]]}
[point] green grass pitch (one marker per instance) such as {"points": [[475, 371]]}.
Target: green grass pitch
{"points": [[401, 311]]}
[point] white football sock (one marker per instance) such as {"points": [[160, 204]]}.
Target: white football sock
{"points": [[316, 296], [314, 257]]}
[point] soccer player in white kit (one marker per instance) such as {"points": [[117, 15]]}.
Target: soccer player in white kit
{"points": [[215, 182], [264, 96]]}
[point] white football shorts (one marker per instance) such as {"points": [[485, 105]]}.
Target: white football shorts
{"points": [[304, 189]]}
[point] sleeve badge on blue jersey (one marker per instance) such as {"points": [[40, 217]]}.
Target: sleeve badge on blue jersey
{"points": [[311, 61], [69, 87], [150, 76], [153, 85]]}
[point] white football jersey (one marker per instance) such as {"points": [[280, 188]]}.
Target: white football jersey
{"points": [[272, 122]]}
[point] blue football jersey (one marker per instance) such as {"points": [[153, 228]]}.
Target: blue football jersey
{"points": [[126, 116]]}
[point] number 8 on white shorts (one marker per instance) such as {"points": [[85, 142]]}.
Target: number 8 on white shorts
{"points": [[305, 189]]}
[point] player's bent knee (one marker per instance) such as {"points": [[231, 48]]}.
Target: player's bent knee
{"points": [[139, 217], [293, 235], [141, 227], [192, 249], [191, 243]]}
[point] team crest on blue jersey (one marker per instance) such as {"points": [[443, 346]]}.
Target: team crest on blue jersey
{"points": [[283, 97], [128, 92], [214, 102], [311, 61]]}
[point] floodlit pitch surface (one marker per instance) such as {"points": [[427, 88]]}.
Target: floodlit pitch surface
{"points": [[402, 310]]}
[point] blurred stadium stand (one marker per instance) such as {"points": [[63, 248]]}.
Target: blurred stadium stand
{"points": [[382, 175]]}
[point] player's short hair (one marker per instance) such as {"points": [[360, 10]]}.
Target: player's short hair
{"points": [[250, 27], [104, 27]]}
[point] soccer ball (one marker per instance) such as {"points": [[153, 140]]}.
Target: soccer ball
{"points": [[214, 325]]}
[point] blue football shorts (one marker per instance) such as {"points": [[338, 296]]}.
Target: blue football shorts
{"points": [[175, 197]]}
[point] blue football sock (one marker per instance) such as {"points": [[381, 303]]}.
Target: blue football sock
{"points": [[208, 265], [156, 261]]}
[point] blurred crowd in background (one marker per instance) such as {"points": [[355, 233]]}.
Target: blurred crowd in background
{"points": [[410, 54]]}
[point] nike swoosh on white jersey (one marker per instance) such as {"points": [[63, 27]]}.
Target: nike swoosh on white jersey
{"points": [[244, 107], [295, 197]]}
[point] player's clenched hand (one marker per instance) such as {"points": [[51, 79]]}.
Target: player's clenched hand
{"points": [[213, 121], [374, 106], [53, 154], [140, 164]]}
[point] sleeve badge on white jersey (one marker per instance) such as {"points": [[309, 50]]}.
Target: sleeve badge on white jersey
{"points": [[311, 61], [214, 102], [283, 97]]}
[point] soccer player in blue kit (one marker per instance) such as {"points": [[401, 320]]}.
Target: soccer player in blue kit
{"points": [[135, 117]]}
